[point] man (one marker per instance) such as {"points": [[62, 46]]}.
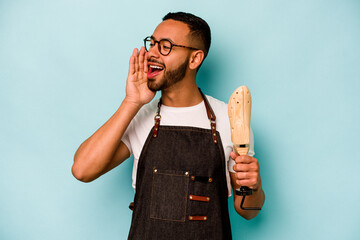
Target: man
{"points": [[183, 164]]}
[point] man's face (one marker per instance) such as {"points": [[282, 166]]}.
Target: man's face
{"points": [[165, 71]]}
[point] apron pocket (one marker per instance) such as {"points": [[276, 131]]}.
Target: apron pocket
{"points": [[169, 195]]}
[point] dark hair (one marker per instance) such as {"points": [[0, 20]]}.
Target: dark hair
{"points": [[198, 27]]}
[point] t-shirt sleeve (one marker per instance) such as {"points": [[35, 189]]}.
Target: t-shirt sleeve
{"points": [[251, 152], [126, 137]]}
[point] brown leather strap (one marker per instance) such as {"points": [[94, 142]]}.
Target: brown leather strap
{"points": [[157, 120], [211, 116], [198, 218], [209, 112], [199, 198]]}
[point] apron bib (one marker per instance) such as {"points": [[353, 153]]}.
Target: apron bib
{"points": [[181, 189]]}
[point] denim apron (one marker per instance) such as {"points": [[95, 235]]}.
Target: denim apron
{"points": [[181, 189]]}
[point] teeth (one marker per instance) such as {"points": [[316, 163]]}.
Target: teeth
{"points": [[157, 67]]}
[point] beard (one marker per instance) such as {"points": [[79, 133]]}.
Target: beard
{"points": [[170, 77]]}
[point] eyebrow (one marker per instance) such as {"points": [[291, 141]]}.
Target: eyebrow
{"points": [[152, 37]]}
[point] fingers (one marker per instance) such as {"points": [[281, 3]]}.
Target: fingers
{"points": [[245, 159], [246, 170], [146, 63], [233, 155], [244, 163], [142, 59], [248, 179], [251, 183], [132, 62], [245, 167], [246, 175], [138, 61]]}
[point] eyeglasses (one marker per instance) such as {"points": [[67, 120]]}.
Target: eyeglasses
{"points": [[164, 45]]}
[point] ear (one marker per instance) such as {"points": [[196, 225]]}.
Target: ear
{"points": [[196, 59]]}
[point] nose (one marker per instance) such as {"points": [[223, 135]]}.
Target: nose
{"points": [[154, 51]]}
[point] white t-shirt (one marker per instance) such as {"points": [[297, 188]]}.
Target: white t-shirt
{"points": [[194, 116]]}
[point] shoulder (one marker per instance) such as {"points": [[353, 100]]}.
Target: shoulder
{"points": [[148, 110], [215, 101], [144, 117], [139, 127]]}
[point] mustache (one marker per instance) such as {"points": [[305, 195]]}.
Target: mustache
{"points": [[156, 61]]}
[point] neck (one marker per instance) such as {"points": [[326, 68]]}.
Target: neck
{"points": [[184, 93]]}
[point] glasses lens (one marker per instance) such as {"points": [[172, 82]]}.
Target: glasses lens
{"points": [[165, 46], [148, 43]]}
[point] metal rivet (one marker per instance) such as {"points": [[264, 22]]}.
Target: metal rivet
{"points": [[205, 218], [190, 197], [215, 141], [154, 135], [193, 178], [190, 218], [210, 179], [214, 134], [208, 198], [155, 170], [187, 173], [156, 129]]}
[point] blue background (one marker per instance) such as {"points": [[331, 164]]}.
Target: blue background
{"points": [[63, 67]]}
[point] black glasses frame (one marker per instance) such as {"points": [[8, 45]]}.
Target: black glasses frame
{"points": [[164, 40]]}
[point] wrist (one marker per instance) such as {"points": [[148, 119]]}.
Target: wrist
{"points": [[132, 103]]}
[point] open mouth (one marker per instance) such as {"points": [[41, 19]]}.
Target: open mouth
{"points": [[154, 70]]}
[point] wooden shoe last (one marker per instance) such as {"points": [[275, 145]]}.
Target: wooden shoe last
{"points": [[239, 108]]}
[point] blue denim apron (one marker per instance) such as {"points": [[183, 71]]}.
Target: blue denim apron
{"points": [[181, 189]]}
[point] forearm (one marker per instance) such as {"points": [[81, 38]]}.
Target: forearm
{"points": [[95, 154], [255, 200]]}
